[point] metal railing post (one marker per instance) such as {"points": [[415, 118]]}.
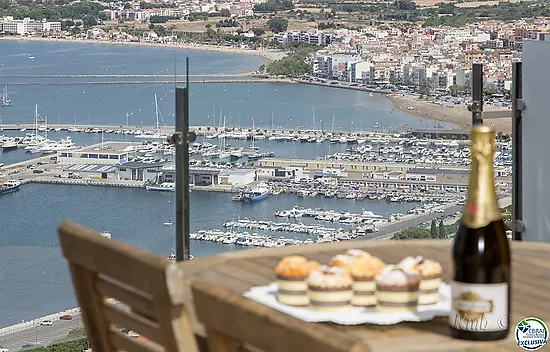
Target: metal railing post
{"points": [[477, 94], [181, 140], [517, 106]]}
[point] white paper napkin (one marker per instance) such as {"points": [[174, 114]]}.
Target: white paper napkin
{"points": [[267, 295]]}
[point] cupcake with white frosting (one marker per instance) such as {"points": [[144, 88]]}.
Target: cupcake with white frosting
{"points": [[291, 275], [330, 288], [363, 267], [430, 277], [397, 289]]}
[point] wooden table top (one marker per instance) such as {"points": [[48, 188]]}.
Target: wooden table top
{"points": [[239, 271]]}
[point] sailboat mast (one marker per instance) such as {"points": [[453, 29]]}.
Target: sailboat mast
{"points": [[36, 120], [272, 120], [332, 127], [223, 139], [313, 119], [252, 133], [157, 116]]}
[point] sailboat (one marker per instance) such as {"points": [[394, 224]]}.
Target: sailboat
{"points": [[156, 133], [252, 146], [74, 128], [333, 140], [5, 100], [224, 154]]}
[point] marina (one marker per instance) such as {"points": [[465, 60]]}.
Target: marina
{"points": [[248, 137]]}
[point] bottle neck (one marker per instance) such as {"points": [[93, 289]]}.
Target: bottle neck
{"points": [[481, 205]]}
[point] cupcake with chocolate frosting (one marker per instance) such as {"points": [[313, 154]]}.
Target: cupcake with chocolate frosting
{"points": [[363, 267], [430, 277], [397, 289], [292, 273], [330, 288]]}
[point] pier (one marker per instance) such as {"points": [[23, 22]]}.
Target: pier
{"points": [[203, 81]]}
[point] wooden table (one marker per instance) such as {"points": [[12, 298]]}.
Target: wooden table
{"points": [[239, 271]]}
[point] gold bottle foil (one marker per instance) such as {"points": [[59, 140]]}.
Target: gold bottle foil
{"points": [[481, 205]]}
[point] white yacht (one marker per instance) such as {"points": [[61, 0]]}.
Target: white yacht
{"points": [[163, 187]]}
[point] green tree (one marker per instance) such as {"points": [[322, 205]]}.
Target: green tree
{"points": [[158, 19], [160, 30], [89, 21], [258, 31], [225, 13], [406, 5], [411, 233], [277, 24], [433, 229], [296, 64], [442, 234]]}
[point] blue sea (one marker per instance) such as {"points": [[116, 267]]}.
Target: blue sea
{"points": [[34, 279]]}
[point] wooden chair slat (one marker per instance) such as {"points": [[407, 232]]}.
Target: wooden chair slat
{"points": [[133, 322], [224, 312], [96, 325], [152, 288], [136, 300], [124, 342], [113, 258]]}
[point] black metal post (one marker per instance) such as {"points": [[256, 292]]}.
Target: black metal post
{"points": [[477, 94], [517, 107], [182, 170]]}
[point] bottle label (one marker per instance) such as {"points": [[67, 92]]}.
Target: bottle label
{"points": [[479, 307]]}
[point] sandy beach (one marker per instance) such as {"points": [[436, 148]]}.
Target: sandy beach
{"points": [[268, 54], [459, 115]]}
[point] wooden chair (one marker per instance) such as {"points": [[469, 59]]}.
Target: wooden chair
{"points": [[235, 323], [149, 288]]}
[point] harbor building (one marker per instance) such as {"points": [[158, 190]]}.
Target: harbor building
{"points": [[204, 176], [267, 172], [198, 176], [135, 171], [237, 177], [111, 153], [90, 171], [359, 169], [208, 176]]}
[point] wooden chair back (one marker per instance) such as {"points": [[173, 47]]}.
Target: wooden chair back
{"points": [[120, 286], [235, 323]]}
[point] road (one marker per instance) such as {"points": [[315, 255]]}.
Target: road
{"points": [[404, 224], [42, 335]]}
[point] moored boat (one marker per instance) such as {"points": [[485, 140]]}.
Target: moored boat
{"points": [[9, 186], [255, 195], [163, 187]]}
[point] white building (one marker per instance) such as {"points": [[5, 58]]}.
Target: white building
{"points": [[463, 76], [237, 177], [357, 69], [28, 26]]}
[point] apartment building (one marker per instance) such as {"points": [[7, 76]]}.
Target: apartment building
{"points": [[28, 26]]}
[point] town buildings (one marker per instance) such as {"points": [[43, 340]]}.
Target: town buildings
{"points": [[28, 26], [435, 58]]}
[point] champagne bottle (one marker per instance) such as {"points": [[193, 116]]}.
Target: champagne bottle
{"points": [[481, 253]]}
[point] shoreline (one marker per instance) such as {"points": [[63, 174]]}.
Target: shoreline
{"points": [[459, 116], [268, 55]]}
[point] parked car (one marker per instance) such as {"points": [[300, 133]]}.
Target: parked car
{"points": [[66, 317], [37, 171], [29, 345], [46, 323]]}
